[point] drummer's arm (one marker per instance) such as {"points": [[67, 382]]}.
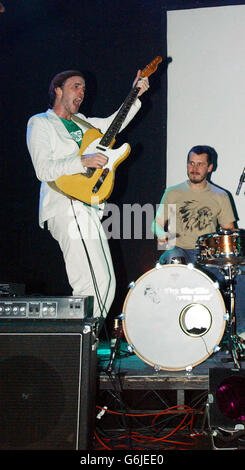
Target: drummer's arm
{"points": [[229, 226], [158, 229]]}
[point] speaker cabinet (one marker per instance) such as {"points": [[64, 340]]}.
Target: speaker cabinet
{"points": [[227, 408], [47, 384], [227, 397]]}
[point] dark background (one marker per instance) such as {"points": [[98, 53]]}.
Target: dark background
{"points": [[109, 40]]}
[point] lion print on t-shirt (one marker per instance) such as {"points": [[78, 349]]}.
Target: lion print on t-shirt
{"points": [[195, 217]]}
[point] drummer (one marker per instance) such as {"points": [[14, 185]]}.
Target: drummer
{"points": [[198, 207]]}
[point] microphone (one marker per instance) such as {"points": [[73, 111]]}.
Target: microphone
{"points": [[113, 355], [242, 179], [115, 341]]}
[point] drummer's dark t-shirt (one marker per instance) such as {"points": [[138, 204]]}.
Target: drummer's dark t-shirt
{"points": [[197, 212]]}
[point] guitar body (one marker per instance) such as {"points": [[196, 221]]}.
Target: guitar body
{"points": [[97, 187]]}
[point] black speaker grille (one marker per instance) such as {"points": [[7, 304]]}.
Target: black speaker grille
{"points": [[40, 377]]}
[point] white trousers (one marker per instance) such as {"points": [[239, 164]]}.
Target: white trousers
{"points": [[86, 253]]}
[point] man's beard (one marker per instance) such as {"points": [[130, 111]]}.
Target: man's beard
{"points": [[196, 181]]}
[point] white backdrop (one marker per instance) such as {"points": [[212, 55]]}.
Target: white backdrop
{"points": [[206, 93]]}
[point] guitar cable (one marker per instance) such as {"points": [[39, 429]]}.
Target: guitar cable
{"points": [[101, 304]]}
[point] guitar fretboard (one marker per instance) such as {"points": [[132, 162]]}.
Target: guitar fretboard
{"points": [[114, 128]]}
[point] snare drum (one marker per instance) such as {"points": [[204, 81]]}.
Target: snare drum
{"points": [[174, 317], [225, 248]]}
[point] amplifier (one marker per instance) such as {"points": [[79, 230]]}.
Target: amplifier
{"points": [[11, 288], [48, 378], [61, 308]]}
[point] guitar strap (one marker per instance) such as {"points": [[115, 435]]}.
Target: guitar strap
{"points": [[84, 123]]}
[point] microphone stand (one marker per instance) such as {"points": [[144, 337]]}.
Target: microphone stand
{"points": [[115, 341], [242, 179], [234, 341]]}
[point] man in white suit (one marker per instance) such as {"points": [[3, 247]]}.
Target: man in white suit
{"points": [[53, 140]]}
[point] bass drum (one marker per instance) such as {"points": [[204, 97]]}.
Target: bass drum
{"points": [[174, 317]]}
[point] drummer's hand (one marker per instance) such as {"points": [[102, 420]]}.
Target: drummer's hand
{"points": [[230, 226], [162, 241]]}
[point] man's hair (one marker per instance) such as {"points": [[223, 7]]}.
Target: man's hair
{"points": [[199, 149], [59, 80]]}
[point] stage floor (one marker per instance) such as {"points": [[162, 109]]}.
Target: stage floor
{"points": [[149, 409], [134, 373]]}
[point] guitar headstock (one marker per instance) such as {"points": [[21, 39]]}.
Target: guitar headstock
{"points": [[151, 67]]}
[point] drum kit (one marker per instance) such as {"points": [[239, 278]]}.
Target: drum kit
{"points": [[175, 315]]}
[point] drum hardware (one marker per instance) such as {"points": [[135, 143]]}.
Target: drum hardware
{"points": [[132, 284], [130, 348], [225, 250], [234, 341], [222, 248], [240, 270], [178, 260], [116, 337]]}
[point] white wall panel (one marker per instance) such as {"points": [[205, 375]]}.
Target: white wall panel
{"points": [[206, 93]]}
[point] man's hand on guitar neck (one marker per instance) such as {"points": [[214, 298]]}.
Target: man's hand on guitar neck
{"points": [[142, 83], [98, 160], [94, 160]]}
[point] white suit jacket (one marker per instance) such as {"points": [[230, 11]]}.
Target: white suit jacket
{"points": [[54, 153]]}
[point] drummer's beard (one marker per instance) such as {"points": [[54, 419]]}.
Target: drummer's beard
{"points": [[196, 178]]}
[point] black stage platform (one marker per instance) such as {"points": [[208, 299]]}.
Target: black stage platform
{"points": [[157, 409], [135, 374]]}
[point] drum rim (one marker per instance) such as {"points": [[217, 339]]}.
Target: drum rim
{"points": [[141, 356], [219, 258], [161, 266], [220, 234]]}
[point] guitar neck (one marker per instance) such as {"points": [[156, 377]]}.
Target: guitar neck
{"points": [[115, 126], [123, 111]]}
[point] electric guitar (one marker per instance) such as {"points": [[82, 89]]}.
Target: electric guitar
{"points": [[96, 185]]}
